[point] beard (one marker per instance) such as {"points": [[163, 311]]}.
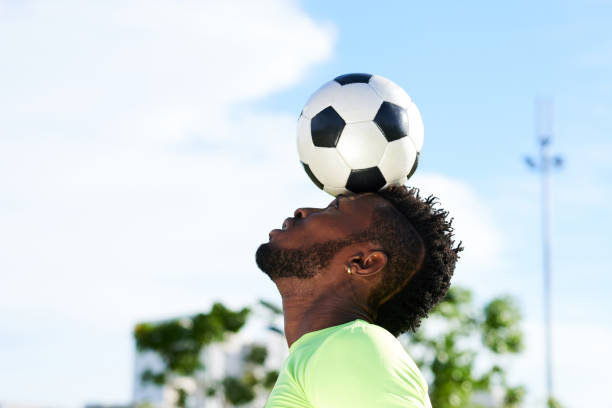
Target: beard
{"points": [[302, 263]]}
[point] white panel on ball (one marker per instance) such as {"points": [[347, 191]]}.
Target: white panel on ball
{"points": [[390, 91], [305, 145], [416, 130], [398, 158], [335, 190], [321, 99], [361, 144], [356, 102], [328, 167], [401, 182]]}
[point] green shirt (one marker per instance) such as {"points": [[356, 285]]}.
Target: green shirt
{"points": [[355, 364]]}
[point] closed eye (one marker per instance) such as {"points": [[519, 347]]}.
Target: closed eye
{"points": [[337, 202]]}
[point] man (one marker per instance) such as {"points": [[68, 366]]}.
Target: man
{"points": [[353, 276]]}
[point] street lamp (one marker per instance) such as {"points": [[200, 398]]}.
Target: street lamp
{"points": [[543, 164]]}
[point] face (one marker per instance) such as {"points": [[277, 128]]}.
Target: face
{"points": [[308, 241]]}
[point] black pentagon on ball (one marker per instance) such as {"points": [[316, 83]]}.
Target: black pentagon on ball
{"points": [[365, 180], [392, 121], [312, 176], [326, 127], [353, 78], [414, 165]]}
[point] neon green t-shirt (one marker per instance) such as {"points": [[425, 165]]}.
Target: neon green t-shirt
{"points": [[355, 364]]}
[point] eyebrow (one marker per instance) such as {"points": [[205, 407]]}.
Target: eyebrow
{"points": [[338, 197]]}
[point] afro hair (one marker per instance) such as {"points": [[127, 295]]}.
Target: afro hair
{"points": [[421, 259]]}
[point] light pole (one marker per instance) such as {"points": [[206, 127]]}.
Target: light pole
{"points": [[544, 164]]}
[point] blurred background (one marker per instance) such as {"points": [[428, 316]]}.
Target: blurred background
{"points": [[148, 147]]}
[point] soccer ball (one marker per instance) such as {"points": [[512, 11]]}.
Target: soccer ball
{"points": [[359, 133]]}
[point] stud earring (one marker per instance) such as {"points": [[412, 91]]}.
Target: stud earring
{"points": [[349, 270]]}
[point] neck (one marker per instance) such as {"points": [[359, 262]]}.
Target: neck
{"points": [[306, 310]]}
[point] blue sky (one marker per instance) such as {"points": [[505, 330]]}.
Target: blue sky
{"points": [[136, 138], [475, 71]]}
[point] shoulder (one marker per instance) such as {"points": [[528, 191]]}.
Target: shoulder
{"points": [[361, 336], [366, 360], [368, 343]]}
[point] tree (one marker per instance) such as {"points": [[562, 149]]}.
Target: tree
{"points": [[455, 336], [180, 342]]}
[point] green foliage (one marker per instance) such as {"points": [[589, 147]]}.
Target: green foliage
{"points": [[182, 397], [449, 352], [462, 334], [500, 331], [257, 354], [514, 396], [236, 391], [271, 306], [273, 312], [270, 379], [249, 378], [553, 403], [144, 405], [179, 341], [157, 379]]}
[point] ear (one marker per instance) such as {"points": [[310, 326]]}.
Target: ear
{"points": [[368, 264]]}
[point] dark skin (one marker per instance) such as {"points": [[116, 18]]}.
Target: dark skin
{"points": [[332, 297]]}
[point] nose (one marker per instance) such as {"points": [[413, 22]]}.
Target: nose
{"points": [[303, 212]]}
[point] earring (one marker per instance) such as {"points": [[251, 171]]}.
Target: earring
{"points": [[349, 270]]}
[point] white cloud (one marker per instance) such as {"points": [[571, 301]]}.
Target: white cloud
{"points": [[130, 186], [581, 355], [106, 59], [473, 224]]}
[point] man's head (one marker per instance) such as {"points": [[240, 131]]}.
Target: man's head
{"points": [[398, 248]]}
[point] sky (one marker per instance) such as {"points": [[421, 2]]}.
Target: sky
{"points": [[147, 149]]}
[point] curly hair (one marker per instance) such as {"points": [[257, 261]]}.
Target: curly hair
{"points": [[421, 259]]}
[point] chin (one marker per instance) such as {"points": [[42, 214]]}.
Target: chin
{"points": [[261, 255]]}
